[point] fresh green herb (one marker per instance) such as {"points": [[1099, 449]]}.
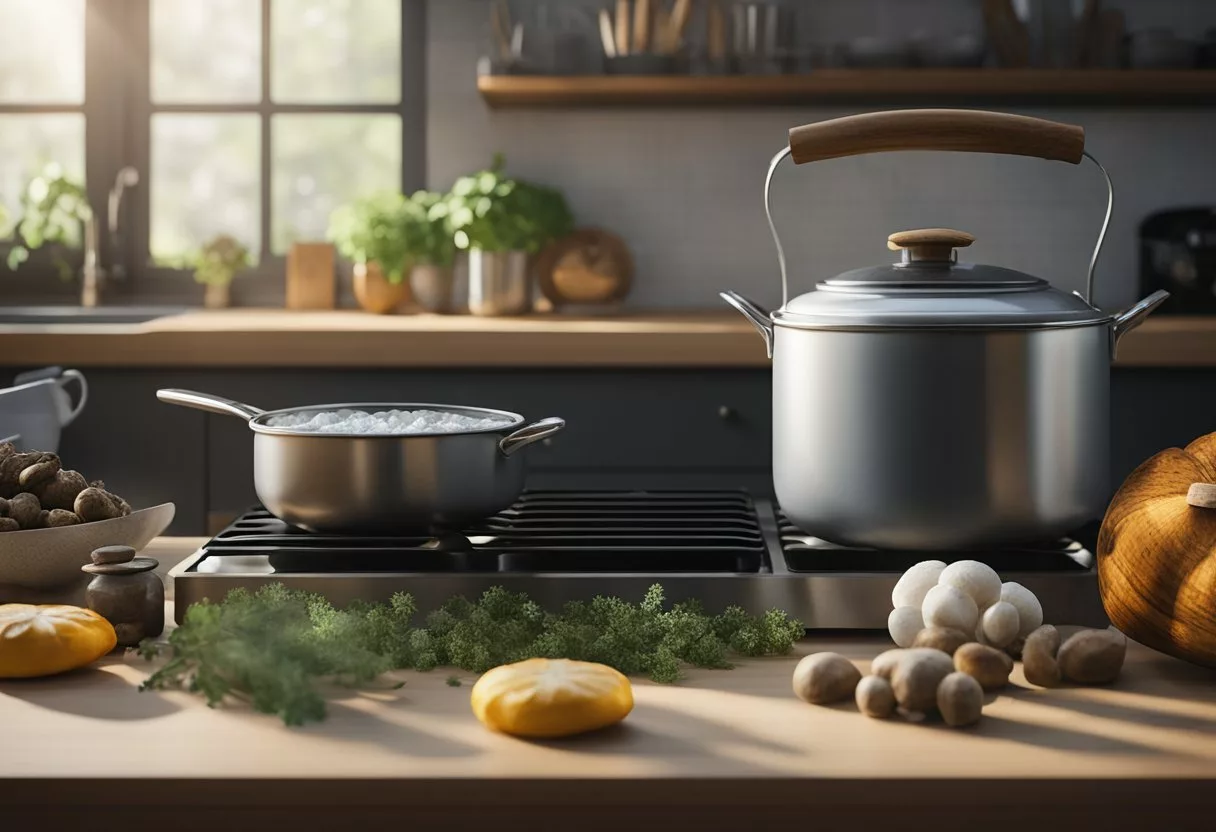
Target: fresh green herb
{"points": [[453, 681], [491, 212], [394, 231], [53, 210], [270, 647], [219, 261]]}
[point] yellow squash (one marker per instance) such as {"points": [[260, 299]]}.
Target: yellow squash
{"points": [[42, 640], [551, 697]]}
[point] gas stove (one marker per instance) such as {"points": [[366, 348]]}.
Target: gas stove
{"points": [[723, 547]]}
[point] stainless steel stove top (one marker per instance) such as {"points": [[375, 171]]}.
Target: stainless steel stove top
{"points": [[723, 547]]}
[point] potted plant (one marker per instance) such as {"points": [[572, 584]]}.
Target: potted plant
{"points": [[54, 211], [501, 222], [432, 252], [215, 267], [372, 232]]}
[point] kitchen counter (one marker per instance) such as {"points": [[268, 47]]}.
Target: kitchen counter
{"points": [[278, 338], [723, 749]]}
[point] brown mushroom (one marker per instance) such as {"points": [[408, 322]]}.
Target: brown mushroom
{"points": [[25, 509], [13, 463], [8, 524], [946, 639], [874, 697], [58, 517], [1092, 657], [61, 490], [93, 504], [987, 665], [1039, 657], [42, 471], [824, 678], [960, 700]]}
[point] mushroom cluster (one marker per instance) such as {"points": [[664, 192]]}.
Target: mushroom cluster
{"points": [[967, 596], [36, 492], [958, 629]]}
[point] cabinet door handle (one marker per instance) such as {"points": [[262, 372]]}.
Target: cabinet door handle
{"points": [[726, 412]]}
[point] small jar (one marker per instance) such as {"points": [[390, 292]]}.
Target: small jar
{"points": [[127, 593]]}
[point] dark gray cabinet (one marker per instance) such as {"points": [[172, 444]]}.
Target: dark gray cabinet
{"points": [[675, 429]]}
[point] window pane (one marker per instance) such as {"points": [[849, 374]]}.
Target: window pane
{"points": [[42, 51], [345, 51], [204, 182], [27, 144], [322, 161], [206, 52]]}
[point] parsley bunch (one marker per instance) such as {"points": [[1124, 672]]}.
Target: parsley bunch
{"points": [[270, 647]]}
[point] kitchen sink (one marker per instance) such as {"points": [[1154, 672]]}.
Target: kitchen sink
{"points": [[85, 315]]}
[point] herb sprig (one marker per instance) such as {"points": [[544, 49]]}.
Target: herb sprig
{"points": [[270, 647]]}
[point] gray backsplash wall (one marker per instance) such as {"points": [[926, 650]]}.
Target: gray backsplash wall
{"points": [[683, 186]]}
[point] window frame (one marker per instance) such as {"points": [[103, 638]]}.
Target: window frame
{"points": [[118, 110]]}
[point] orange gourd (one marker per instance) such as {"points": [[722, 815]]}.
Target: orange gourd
{"points": [[1157, 553]]}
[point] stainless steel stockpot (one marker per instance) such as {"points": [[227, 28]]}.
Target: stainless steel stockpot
{"points": [[376, 483], [933, 404]]}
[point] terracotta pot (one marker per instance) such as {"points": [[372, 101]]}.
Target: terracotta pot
{"points": [[373, 291], [217, 295]]}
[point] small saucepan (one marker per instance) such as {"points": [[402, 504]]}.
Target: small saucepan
{"points": [[381, 483]]}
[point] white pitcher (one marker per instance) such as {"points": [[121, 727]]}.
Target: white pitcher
{"points": [[35, 410]]}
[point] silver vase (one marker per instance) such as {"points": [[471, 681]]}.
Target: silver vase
{"points": [[499, 283]]}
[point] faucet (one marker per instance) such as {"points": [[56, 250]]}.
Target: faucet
{"points": [[93, 274]]}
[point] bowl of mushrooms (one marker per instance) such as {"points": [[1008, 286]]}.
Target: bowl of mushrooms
{"points": [[52, 518]]}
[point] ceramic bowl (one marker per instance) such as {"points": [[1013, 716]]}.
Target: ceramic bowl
{"points": [[43, 559]]}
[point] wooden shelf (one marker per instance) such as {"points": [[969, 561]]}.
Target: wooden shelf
{"points": [[1108, 86]]}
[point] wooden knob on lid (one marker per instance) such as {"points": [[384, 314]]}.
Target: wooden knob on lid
{"points": [[929, 243]]}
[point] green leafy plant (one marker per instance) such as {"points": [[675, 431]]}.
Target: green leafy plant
{"points": [[219, 260], [394, 231], [491, 212], [53, 211], [270, 647]]}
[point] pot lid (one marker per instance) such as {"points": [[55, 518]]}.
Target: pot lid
{"points": [[929, 287]]}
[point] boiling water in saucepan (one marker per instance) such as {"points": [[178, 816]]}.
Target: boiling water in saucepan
{"points": [[395, 422]]}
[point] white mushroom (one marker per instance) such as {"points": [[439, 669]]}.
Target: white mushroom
{"points": [[912, 586], [948, 606], [903, 624], [1000, 624], [979, 580], [1030, 611]]}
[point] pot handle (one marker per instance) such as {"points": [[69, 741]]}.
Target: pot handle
{"points": [[1134, 315], [755, 313], [528, 434], [209, 403], [972, 131]]}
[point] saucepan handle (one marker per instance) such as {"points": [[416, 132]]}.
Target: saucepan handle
{"points": [[208, 402], [528, 434], [974, 131]]}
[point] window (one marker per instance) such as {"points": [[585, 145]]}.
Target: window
{"points": [[254, 118], [41, 95], [265, 116]]}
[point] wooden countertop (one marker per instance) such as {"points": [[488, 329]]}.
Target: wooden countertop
{"points": [[278, 338], [733, 749]]}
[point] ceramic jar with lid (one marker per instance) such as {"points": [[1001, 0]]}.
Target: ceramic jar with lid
{"points": [[126, 592]]}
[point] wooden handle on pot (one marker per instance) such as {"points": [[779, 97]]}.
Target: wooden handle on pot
{"points": [[974, 131]]}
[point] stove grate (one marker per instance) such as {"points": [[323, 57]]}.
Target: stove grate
{"points": [[806, 554], [600, 532]]}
